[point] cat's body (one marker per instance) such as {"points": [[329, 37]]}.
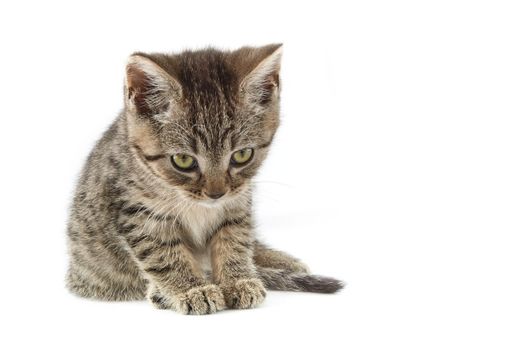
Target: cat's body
{"points": [[163, 205]]}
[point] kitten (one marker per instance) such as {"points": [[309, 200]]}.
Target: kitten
{"points": [[163, 206]]}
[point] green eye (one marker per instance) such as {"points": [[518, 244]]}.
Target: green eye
{"points": [[183, 162], [242, 156]]}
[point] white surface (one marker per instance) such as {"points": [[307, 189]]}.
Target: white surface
{"points": [[399, 168]]}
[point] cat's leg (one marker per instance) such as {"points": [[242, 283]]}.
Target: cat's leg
{"points": [[100, 267], [264, 256], [280, 271], [90, 283], [176, 281], [233, 266]]}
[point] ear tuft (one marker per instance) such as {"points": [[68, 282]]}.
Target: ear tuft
{"points": [[150, 90], [261, 84]]}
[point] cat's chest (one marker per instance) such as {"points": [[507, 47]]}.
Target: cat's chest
{"points": [[200, 222]]}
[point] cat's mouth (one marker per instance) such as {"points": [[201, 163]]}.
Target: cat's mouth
{"points": [[207, 201], [211, 203], [215, 201]]}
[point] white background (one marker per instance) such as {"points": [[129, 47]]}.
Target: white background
{"points": [[399, 168]]}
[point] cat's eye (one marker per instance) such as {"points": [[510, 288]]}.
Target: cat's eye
{"points": [[183, 162], [242, 156]]}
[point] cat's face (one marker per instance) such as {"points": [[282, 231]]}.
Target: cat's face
{"points": [[203, 121]]}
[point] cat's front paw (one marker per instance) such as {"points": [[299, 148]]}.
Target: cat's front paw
{"points": [[202, 300], [244, 293]]}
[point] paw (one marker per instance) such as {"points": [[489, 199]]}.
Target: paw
{"points": [[202, 300], [244, 294], [298, 267], [159, 301]]}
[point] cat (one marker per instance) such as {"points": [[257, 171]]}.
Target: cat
{"points": [[163, 206]]}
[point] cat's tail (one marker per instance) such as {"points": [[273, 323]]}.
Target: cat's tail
{"points": [[277, 279]]}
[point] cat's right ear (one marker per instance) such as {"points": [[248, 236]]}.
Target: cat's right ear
{"points": [[261, 85], [150, 90]]}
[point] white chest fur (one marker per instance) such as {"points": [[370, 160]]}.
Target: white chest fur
{"points": [[200, 220]]}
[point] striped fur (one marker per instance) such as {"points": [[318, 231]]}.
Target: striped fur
{"points": [[139, 228]]}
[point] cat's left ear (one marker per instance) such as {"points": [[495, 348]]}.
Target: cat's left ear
{"points": [[150, 90], [261, 85]]}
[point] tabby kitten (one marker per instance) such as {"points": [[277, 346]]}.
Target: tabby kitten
{"points": [[163, 205]]}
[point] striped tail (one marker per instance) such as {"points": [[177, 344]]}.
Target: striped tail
{"points": [[277, 279]]}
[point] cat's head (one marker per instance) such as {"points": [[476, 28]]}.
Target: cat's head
{"points": [[202, 121]]}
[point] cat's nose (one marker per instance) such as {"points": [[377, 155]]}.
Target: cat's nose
{"points": [[214, 195]]}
